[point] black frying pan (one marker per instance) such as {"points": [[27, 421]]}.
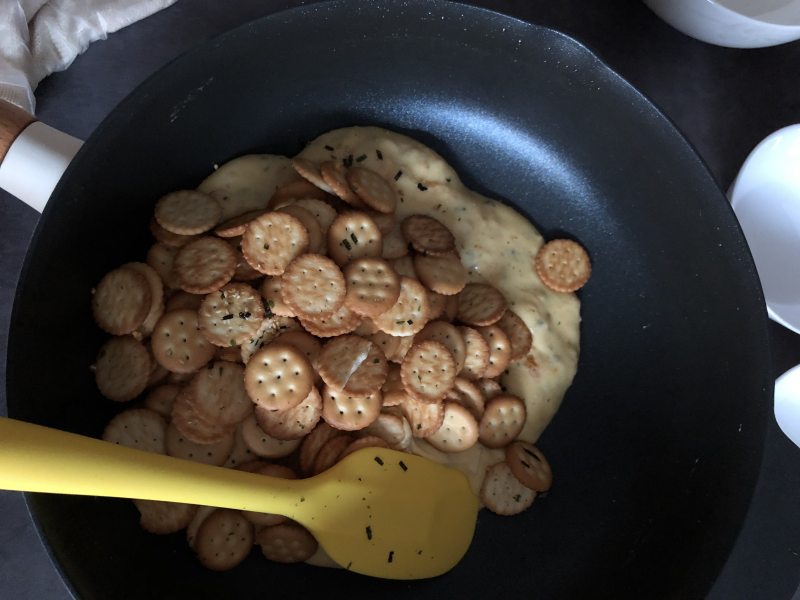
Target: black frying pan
{"points": [[653, 470]]}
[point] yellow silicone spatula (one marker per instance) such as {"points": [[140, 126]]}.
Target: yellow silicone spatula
{"points": [[378, 512]]}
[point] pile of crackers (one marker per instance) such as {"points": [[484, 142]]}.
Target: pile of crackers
{"points": [[282, 340]]}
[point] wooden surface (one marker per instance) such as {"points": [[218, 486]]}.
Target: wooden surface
{"points": [[13, 120]]}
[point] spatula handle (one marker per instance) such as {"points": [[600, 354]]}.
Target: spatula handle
{"points": [[39, 459]]}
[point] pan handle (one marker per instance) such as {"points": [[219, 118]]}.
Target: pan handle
{"points": [[33, 156]]}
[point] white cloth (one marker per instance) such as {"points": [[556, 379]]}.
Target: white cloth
{"points": [[39, 37]]}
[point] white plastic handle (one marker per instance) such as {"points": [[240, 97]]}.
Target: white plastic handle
{"points": [[35, 162]]}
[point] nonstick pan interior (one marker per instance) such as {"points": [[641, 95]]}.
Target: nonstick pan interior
{"points": [[656, 448]]}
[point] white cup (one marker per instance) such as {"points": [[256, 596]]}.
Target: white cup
{"points": [[733, 23], [766, 199]]}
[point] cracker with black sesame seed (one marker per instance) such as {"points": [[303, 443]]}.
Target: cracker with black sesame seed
{"points": [[409, 314], [502, 493], [292, 423], [232, 315], [354, 235]]}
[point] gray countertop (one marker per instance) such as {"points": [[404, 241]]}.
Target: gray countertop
{"points": [[725, 101]]}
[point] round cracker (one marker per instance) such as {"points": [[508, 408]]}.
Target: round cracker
{"points": [[409, 314], [458, 432], [173, 240], [223, 540], [316, 243], [156, 297], [387, 343], [480, 304], [138, 428], [393, 391], [424, 418], [329, 454], [502, 494], [372, 286], [519, 335], [323, 212], [436, 303], [303, 341], [404, 267], [311, 444], [272, 241], [403, 346], [231, 315], [180, 299], [342, 321], [244, 272], [529, 466], [218, 393], [310, 172], [563, 265], [477, 353], [187, 212], [393, 429], [287, 543], [164, 517], [122, 368], [335, 175], [313, 286], [178, 345], [349, 412], [428, 371], [394, 244], [502, 421], [236, 226], [353, 364], [161, 258], [489, 388], [292, 190], [204, 265], [448, 335], [240, 454], [121, 301], [179, 446], [264, 445], [427, 235], [198, 519], [443, 274], [385, 222], [468, 395], [192, 424], [293, 423], [271, 328], [372, 189], [499, 350], [160, 399], [450, 308], [354, 235], [366, 328], [271, 292], [278, 377]]}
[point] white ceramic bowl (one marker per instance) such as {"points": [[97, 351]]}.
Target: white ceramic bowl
{"points": [[733, 23], [766, 199]]}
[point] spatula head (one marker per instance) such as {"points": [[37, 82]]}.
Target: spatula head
{"points": [[393, 515]]}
